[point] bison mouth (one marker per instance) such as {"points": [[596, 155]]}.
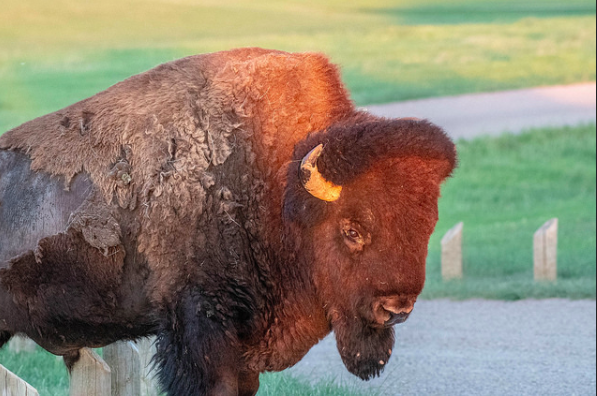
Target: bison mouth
{"points": [[365, 350]]}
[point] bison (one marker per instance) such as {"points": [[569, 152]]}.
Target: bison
{"points": [[235, 204]]}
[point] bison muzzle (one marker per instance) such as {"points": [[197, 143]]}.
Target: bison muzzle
{"points": [[234, 204]]}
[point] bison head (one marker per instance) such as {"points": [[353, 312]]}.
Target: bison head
{"points": [[364, 197]]}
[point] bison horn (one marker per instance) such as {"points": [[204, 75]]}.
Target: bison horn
{"points": [[314, 182]]}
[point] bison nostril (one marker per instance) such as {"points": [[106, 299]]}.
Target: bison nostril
{"points": [[398, 310], [388, 311], [396, 318]]}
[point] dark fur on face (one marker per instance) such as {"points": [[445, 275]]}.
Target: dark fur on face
{"points": [[364, 350], [354, 144], [350, 150]]}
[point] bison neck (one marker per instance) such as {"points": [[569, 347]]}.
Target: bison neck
{"points": [[296, 323]]}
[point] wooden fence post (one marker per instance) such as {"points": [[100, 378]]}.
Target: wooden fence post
{"points": [[20, 344], [90, 375], [125, 363], [452, 253], [545, 251], [147, 349], [11, 385]]}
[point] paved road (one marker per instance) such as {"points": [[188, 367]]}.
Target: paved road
{"points": [[478, 347], [493, 113]]}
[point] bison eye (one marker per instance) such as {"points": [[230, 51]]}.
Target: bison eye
{"points": [[353, 234]]}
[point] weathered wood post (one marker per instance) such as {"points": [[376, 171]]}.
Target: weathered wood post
{"points": [[90, 375], [125, 364], [11, 385], [545, 251], [20, 344], [149, 384], [452, 253]]}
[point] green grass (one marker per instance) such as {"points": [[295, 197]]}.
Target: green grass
{"points": [[55, 53], [275, 384], [504, 190], [42, 370], [46, 373]]}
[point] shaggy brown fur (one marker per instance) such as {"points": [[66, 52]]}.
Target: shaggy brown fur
{"points": [[169, 129], [197, 227]]}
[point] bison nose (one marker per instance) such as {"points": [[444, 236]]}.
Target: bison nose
{"points": [[396, 319], [391, 311]]}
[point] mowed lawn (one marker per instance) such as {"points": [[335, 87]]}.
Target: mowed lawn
{"points": [[503, 191], [53, 53]]}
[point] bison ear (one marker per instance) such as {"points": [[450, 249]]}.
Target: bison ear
{"points": [[313, 181]]}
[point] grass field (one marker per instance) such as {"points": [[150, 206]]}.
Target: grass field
{"points": [[55, 53], [504, 190]]}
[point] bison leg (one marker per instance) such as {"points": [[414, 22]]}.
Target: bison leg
{"points": [[248, 384], [4, 337], [12, 318], [196, 354], [70, 359]]}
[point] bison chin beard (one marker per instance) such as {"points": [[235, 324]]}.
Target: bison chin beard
{"points": [[365, 350]]}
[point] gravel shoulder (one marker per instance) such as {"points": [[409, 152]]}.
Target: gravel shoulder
{"points": [[479, 347], [468, 116]]}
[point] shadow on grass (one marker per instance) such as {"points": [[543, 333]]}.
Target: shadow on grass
{"points": [[462, 12]]}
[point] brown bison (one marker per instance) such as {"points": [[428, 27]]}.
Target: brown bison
{"points": [[235, 204]]}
